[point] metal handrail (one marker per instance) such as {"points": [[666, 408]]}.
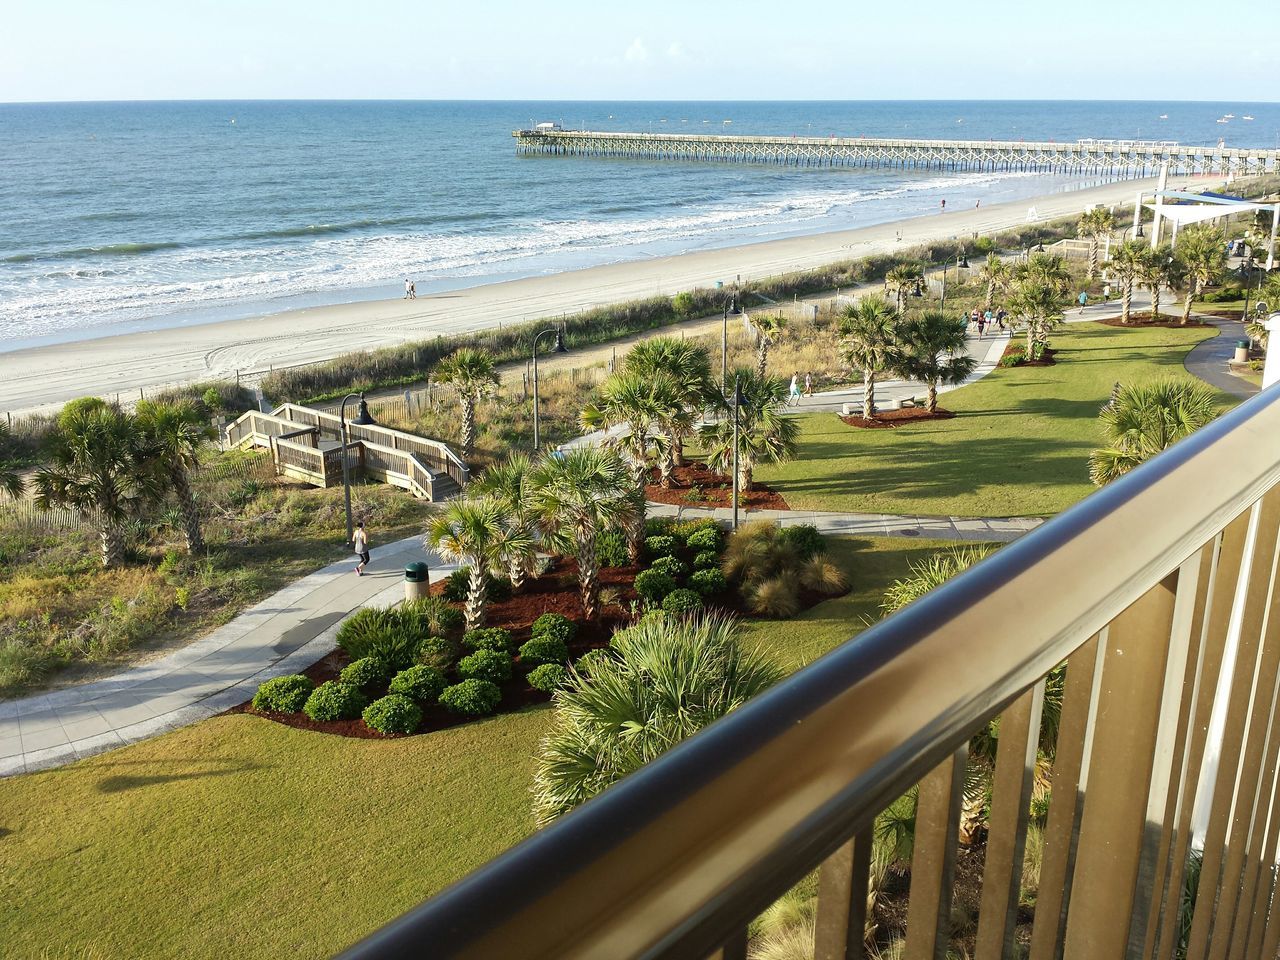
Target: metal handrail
{"points": [[677, 858]]}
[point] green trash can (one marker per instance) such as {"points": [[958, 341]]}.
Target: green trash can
{"points": [[417, 580], [1242, 352]]}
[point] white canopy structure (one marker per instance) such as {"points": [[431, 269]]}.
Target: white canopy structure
{"points": [[1182, 208]]}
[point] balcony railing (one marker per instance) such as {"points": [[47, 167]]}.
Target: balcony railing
{"points": [[1158, 592]]}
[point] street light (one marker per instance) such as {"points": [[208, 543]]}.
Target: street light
{"points": [[724, 350], [737, 402], [362, 419], [559, 347], [962, 261]]}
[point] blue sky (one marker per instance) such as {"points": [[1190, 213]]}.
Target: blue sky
{"points": [[648, 50]]}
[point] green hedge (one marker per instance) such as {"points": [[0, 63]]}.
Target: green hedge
{"points": [[283, 694], [394, 713]]}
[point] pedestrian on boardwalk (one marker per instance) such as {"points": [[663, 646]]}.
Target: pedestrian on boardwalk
{"points": [[408, 287], [795, 387], [360, 540], [808, 383]]}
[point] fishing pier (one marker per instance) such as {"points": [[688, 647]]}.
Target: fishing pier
{"points": [[1136, 158]]}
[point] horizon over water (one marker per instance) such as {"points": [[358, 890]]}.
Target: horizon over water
{"points": [[148, 215]]}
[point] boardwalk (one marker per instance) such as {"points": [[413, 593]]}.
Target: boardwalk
{"points": [[1137, 158]]}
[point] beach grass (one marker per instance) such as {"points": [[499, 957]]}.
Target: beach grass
{"points": [[240, 836], [1018, 446]]}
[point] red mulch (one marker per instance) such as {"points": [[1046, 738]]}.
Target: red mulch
{"points": [[713, 490], [1144, 319], [1047, 359], [890, 419]]}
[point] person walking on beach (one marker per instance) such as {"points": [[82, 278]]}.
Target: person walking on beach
{"points": [[408, 287], [360, 540], [413, 289], [944, 206], [795, 388]]}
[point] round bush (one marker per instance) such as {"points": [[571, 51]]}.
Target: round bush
{"points": [[548, 677], [590, 660], [438, 652], [708, 538], [662, 546], [708, 582], [706, 560], [394, 713], [683, 600], [653, 585], [673, 568], [491, 665], [283, 694], [489, 638], [556, 626], [366, 672], [422, 683], [335, 701], [471, 697], [544, 650], [805, 538]]}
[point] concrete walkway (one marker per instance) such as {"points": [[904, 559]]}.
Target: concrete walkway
{"points": [[283, 634], [1209, 360]]}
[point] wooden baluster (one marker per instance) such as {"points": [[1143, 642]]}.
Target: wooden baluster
{"points": [[842, 901], [934, 859]]}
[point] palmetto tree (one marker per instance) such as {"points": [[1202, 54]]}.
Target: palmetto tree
{"points": [[473, 375], [764, 432], [1044, 268], [100, 462], [177, 433], [1126, 263], [768, 328], [997, 275], [903, 279], [1036, 306], [10, 480], [580, 494], [1203, 251], [868, 336], [1142, 420], [510, 483], [1156, 269], [663, 681], [1094, 225], [688, 365], [930, 348], [475, 533]]}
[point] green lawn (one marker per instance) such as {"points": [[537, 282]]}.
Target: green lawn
{"points": [[1019, 446], [239, 836]]}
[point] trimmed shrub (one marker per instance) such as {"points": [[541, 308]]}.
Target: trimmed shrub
{"points": [[611, 549], [709, 582], [653, 585], [661, 546], [422, 683], [283, 694], [589, 660], [491, 665], [673, 568], [471, 697], [548, 677], [431, 617], [658, 526], [394, 713], [683, 600], [541, 650], [555, 625], [805, 539], [687, 528], [706, 560], [366, 672], [459, 582], [335, 701], [708, 538], [488, 638], [438, 652]]}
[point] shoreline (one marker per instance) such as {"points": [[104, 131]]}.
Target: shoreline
{"points": [[39, 378]]}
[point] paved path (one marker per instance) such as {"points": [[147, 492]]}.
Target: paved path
{"points": [[283, 634], [1209, 360]]}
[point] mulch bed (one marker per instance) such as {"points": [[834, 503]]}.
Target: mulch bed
{"points": [[1144, 319], [890, 419], [697, 485], [1047, 359]]}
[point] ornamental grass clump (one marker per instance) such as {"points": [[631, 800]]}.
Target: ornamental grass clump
{"points": [[471, 698], [283, 694], [491, 665], [422, 683], [662, 681], [334, 701], [394, 713]]}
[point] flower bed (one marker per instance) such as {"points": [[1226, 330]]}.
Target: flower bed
{"points": [[897, 418], [1144, 319], [697, 485]]}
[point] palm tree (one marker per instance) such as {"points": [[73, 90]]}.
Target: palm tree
{"points": [[687, 364], [768, 328], [1126, 263], [474, 533], [11, 483], [997, 274], [662, 682], [580, 494], [1094, 225], [1203, 252], [764, 432], [1140, 421], [177, 433], [1037, 306], [931, 348], [1047, 269], [472, 373], [510, 484], [100, 463], [868, 335], [903, 279], [1156, 269]]}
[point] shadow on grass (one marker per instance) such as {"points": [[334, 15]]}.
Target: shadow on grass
{"points": [[121, 782]]}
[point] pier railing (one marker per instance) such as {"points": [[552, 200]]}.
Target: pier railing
{"points": [[1158, 593]]}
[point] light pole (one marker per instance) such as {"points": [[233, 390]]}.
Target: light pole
{"points": [[362, 419], [724, 351], [737, 402], [962, 261], [559, 347]]}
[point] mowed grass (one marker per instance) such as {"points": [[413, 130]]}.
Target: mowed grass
{"points": [[241, 837], [1019, 446]]}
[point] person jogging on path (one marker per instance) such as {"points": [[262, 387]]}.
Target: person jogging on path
{"points": [[1083, 300], [795, 387], [360, 540]]}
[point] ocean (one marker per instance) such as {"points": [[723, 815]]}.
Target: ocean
{"points": [[128, 216]]}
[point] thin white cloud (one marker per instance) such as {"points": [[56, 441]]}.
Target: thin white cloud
{"points": [[637, 52], [677, 51]]}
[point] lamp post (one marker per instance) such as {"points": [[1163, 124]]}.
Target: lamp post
{"points": [[559, 347], [724, 350], [362, 419], [737, 402], [962, 262]]}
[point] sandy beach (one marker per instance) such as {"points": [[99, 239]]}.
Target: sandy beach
{"points": [[43, 377]]}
